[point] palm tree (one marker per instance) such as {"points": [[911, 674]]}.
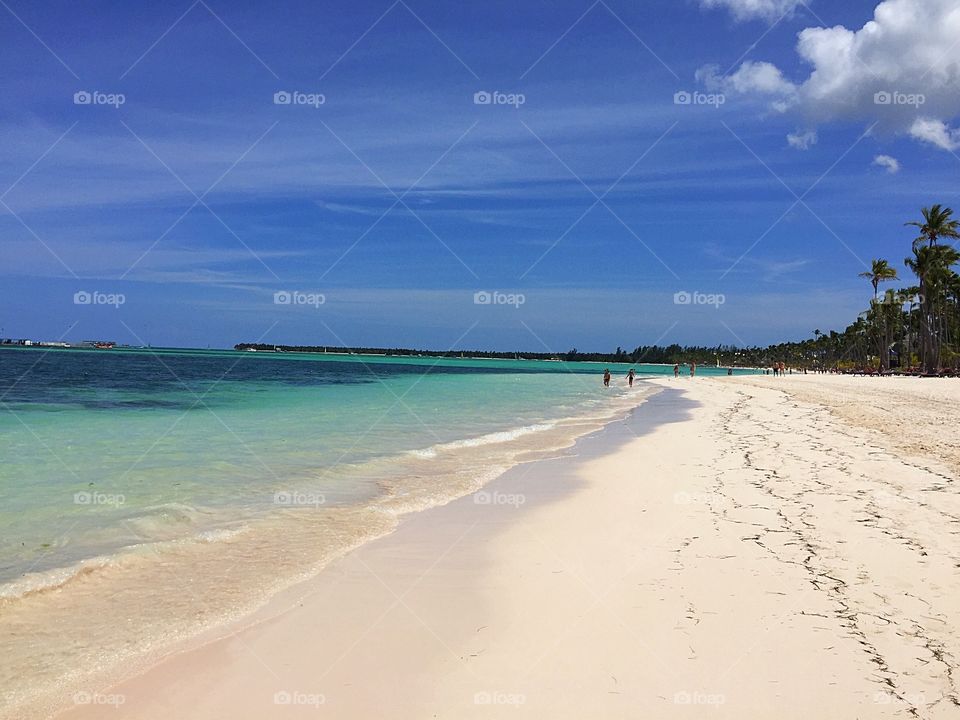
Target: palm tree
{"points": [[910, 332], [937, 223], [878, 316], [932, 266], [890, 319], [880, 271]]}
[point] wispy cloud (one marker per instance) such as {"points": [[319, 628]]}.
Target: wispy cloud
{"points": [[890, 164]]}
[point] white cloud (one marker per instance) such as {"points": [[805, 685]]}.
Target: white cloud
{"points": [[753, 9], [935, 132], [802, 140], [890, 163], [761, 78], [900, 70]]}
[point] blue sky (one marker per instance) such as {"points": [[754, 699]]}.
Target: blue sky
{"points": [[397, 199]]}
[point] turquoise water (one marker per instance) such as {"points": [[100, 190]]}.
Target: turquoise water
{"points": [[103, 449], [179, 490]]}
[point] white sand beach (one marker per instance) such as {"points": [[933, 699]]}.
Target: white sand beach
{"points": [[740, 548]]}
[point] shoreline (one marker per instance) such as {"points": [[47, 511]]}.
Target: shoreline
{"points": [[390, 507], [375, 357], [501, 492], [757, 554]]}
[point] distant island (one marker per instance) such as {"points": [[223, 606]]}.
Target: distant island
{"points": [[725, 355], [86, 344]]}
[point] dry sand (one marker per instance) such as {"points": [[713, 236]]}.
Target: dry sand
{"points": [[739, 548]]}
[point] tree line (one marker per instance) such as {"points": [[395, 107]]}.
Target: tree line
{"points": [[642, 354]]}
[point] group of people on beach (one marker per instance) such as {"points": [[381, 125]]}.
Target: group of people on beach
{"points": [[631, 374], [693, 369]]}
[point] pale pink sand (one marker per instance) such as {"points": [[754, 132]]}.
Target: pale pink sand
{"points": [[762, 558]]}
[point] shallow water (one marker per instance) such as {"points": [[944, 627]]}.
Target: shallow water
{"points": [[154, 494]]}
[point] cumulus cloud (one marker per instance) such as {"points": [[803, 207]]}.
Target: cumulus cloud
{"points": [[900, 70], [891, 164], [754, 9], [802, 140], [936, 132], [752, 77]]}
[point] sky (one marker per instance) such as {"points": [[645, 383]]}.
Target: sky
{"points": [[515, 176]]}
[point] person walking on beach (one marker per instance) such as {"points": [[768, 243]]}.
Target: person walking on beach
{"points": [[606, 378], [630, 377], [676, 370], [693, 369]]}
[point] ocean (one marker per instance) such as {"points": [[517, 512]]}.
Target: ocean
{"points": [[159, 493]]}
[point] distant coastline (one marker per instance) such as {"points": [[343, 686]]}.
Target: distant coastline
{"points": [[84, 344], [725, 356]]}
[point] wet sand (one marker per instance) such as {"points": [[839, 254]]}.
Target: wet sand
{"points": [[743, 547]]}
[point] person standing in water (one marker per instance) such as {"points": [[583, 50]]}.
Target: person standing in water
{"points": [[630, 377], [606, 378], [693, 369], [676, 370]]}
